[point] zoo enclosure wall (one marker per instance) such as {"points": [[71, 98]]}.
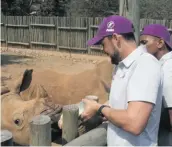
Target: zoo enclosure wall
{"points": [[56, 33]]}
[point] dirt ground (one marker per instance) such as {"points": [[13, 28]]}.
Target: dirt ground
{"points": [[14, 61]]}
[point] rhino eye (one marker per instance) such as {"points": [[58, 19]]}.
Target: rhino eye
{"points": [[17, 122]]}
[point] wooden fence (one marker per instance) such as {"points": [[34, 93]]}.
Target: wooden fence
{"points": [[56, 33]]}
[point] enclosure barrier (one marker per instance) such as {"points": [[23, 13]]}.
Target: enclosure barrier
{"points": [[57, 33], [40, 131], [6, 138], [95, 137], [70, 123]]}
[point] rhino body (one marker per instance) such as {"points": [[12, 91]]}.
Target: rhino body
{"points": [[69, 89]]}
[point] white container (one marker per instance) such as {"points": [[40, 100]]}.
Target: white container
{"points": [[92, 97], [81, 104]]}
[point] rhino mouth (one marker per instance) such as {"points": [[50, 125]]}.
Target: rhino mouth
{"points": [[52, 110]]}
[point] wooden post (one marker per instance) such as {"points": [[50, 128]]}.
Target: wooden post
{"points": [[57, 33], [6, 138], [123, 8], [70, 123], [6, 31], [88, 34], [95, 137], [3, 23], [135, 17], [40, 131], [30, 32], [131, 10]]}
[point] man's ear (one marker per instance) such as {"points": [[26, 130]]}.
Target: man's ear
{"points": [[160, 43], [115, 36]]}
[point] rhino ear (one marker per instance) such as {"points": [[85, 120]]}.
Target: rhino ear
{"points": [[23, 81]]}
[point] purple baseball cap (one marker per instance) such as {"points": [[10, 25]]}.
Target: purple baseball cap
{"points": [[159, 31], [111, 24]]}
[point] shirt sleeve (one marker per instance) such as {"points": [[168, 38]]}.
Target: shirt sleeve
{"points": [[167, 84], [145, 82]]}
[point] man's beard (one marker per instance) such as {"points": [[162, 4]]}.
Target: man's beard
{"points": [[115, 58]]}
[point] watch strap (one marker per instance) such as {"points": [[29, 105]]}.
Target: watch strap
{"points": [[100, 110]]}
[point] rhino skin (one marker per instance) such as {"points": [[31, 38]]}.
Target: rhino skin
{"points": [[16, 113], [4, 90], [69, 89]]}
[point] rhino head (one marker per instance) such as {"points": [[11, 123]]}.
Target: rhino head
{"points": [[17, 113]]}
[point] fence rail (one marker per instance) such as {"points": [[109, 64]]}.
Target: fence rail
{"points": [[57, 33]]}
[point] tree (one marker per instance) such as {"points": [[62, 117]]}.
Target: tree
{"points": [[34, 7], [92, 8], [47, 8], [61, 7], [4, 7], [156, 9]]}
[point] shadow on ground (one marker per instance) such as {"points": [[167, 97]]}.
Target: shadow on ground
{"points": [[12, 59]]}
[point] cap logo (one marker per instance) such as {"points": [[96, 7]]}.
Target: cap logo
{"points": [[110, 26]]}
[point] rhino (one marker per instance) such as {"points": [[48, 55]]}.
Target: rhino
{"points": [[16, 113], [47, 92]]}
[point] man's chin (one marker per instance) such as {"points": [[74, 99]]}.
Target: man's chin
{"points": [[114, 60]]}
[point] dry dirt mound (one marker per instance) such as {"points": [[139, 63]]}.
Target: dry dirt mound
{"points": [[68, 89]]}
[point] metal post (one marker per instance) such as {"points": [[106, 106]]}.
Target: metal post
{"points": [[6, 138]]}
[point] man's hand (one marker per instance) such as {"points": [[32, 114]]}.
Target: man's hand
{"points": [[90, 109]]}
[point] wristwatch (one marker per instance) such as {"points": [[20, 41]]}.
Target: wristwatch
{"points": [[99, 112]]}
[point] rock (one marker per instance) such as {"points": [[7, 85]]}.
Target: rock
{"points": [[94, 62]]}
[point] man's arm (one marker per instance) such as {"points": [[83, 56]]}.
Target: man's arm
{"points": [[133, 119]]}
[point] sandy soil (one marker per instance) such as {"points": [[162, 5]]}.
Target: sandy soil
{"points": [[14, 61]]}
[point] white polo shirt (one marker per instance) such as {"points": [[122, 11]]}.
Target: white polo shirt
{"points": [[166, 62], [137, 78]]}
